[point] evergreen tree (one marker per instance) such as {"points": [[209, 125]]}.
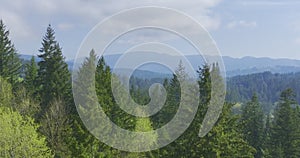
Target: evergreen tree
{"points": [[53, 74], [31, 74], [204, 86], [252, 124], [225, 139], [103, 85], [10, 64], [85, 144], [55, 94], [266, 143], [103, 78], [285, 134]]}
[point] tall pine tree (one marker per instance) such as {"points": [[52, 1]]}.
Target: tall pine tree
{"points": [[252, 124], [53, 74], [54, 88], [10, 64], [31, 74], [284, 132]]}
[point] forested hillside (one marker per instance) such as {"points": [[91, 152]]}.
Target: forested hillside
{"points": [[38, 116], [267, 85]]}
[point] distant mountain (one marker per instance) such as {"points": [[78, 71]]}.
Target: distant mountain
{"points": [[143, 74], [28, 57], [250, 65], [233, 66]]}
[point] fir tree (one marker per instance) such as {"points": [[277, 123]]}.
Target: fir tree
{"points": [[31, 74], [252, 124], [285, 134], [84, 143], [10, 64], [53, 74]]}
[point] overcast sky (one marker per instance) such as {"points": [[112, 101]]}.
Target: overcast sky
{"points": [[260, 28]]}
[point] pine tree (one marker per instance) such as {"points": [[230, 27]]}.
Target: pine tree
{"points": [[266, 144], [86, 144], [204, 85], [225, 139], [53, 74], [54, 89], [252, 124], [88, 106], [31, 74], [284, 132], [10, 64], [103, 85]]}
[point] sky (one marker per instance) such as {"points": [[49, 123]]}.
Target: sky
{"points": [[259, 28]]}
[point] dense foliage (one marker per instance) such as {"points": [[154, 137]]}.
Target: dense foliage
{"points": [[268, 86]]}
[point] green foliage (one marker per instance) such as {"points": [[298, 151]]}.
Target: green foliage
{"points": [[285, 133], [24, 103], [85, 144], [105, 96], [20, 101], [10, 64], [252, 124], [55, 126], [103, 85], [6, 93], [31, 77], [268, 87], [53, 74], [225, 140], [19, 137]]}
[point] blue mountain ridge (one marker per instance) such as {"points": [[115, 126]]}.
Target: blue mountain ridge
{"points": [[233, 66]]}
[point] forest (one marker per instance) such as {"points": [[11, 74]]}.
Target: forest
{"points": [[38, 117]]}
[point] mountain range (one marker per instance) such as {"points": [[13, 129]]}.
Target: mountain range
{"points": [[233, 66]]}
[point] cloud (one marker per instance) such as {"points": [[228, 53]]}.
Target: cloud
{"points": [[16, 24], [241, 23], [92, 10], [27, 19], [65, 26], [269, 2]]}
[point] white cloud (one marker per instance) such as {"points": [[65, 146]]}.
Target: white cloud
{"points": [[92, 10], [241, 23], [30, 18], [16, 24]]}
